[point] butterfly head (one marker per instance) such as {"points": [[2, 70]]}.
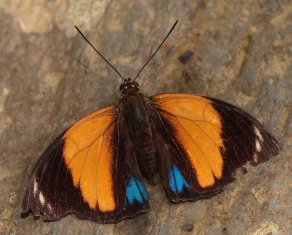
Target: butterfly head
{"points": [[129, 87]]}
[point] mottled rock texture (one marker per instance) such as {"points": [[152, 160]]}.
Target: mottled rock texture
{"points": [[239, 51]]}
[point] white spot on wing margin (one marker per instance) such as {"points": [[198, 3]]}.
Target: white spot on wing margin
{"points": [[255, 158], [42, 198], [35, 187], [50, 207], [258, 146], [258, 133]]}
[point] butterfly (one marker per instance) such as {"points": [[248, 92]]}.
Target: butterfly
{"points": [[192, 144]]}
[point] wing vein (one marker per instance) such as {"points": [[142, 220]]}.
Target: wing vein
{"points": [[101, 135]]}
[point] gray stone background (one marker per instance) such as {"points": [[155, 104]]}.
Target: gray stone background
{"points": [[241, 54]]}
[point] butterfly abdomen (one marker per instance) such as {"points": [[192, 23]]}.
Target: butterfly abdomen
{"points": [[146, 158], [141, 134]]}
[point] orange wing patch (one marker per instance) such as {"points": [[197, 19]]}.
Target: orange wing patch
{"points": [[198, 128], [88, 154]]}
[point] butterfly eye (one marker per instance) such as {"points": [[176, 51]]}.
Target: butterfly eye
{"points": [[136, 84], [122, 87]]}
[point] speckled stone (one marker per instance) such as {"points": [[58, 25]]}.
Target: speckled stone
{"points": [[241, 52]]}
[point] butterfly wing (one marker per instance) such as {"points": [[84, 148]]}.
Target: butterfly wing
{"points": [[87, 170], [202, 141]]}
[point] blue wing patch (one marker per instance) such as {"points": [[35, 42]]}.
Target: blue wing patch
{"points": [[136, 191], [177, 181]]}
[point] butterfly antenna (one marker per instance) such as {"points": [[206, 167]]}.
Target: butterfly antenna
{"points": [[98, 52], [157, 49]]}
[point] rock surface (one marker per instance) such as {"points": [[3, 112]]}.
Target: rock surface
{"points": [[238, 51]]}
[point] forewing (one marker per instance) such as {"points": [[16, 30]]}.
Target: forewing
{"points": [[85, 171], [202, 141]]}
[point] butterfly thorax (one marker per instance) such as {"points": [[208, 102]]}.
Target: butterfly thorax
{"points": [[140, 130]]}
